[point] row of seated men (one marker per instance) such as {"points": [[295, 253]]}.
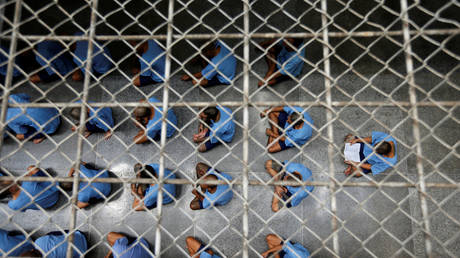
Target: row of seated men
{"points": [[54, 245], [289, 127], [283, 57]]}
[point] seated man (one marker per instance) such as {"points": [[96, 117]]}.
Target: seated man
{"points": [[213, 195], [42, 194], [220, 120], [145, 195], [4, 65], [34, 122], [296, 129], [100, 59], [384, 157], [127, 247], [151, 62], [54, 245], [13, 243], [284, 60], [221, 69], [89, 193], [99, 120], [284, 249], [194, 246], [292, 195], [148, 119], [52, 55]]}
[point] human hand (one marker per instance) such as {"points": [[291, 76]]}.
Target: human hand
{"points": [[185, 77]]}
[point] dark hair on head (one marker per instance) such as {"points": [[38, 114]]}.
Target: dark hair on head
{"points": [[210, 177], [75, 113], [383, 148], [32, 253], [141, 112], [211, 113], [298, 42], [294, 116], [144, 172], [295, 175], [276, 166]]}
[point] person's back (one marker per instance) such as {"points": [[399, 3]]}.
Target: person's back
{"points": [[154, 124], [88, 192], [223, 65], [299, 192], [13, 244], [51, 55], [295, 250], [169, 190], [101, 56], [54, 245], [123, 248], [43, 195], [153, 62], [290, 62], [224, 129], [299, 136], [379, 162], [222, 195]]}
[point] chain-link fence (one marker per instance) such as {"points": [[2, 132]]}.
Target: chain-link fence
{"points": [[365, 67]]}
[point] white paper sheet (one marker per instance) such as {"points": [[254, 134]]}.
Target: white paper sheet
{"points": [[351, 152]]}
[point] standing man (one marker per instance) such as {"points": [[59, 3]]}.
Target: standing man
{"points": [[296, 129], [292, 195], [216, 125], [148, 120], [145, 195], [284, 60], [151, 62], [211, 195], [127, 247], [89, 192], [99, 120], [220, 70], [34, 122]]}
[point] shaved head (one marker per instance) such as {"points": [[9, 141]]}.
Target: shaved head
{"points": [[141, 112]]}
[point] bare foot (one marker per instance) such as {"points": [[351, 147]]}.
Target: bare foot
{"points": [[275, 206], [87, 134], [77, 76], [74, 128], [261, 83], [107, 135], [35, 78], [39, 140], [185, 77], [347, 171]]}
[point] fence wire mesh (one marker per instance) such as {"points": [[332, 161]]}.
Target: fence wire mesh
{"points": [[390, 66]]}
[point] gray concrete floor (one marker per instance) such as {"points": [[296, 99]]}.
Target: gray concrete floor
{"points": [[382, 222]]}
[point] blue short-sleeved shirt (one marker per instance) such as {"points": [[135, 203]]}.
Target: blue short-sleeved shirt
{"points": [[223, 65], [299, 192], [4, 63], [54, 54], [154, 124], [100, 117], [55, 246], [101, 57], [87, 193], [292, 61], [222, 195], [33, 117], [295, 250], [45, 194], [206, 255], [121, 249], [223, 129], [153, 62], [16, 244], [379, 163], [151, 193], [299, 136]]}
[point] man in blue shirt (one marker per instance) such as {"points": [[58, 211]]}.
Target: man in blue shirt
{"points": [[377, 153], [52, 56], [54, 245], [194, 246], [34, 122], [99, 120], [92, 192], [216, 125], [101, 59], [291, 195], [44, 194], [288, 127], [145, 195], [151, 64], [211, 195], [148, 120], [13, 243], [284, 249], [284, 60], [127, 247], [220, 70]]}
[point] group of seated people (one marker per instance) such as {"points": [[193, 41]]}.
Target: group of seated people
{"points": [[54, 245]]}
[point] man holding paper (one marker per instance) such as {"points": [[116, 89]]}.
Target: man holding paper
{"points": [[371, 154]]}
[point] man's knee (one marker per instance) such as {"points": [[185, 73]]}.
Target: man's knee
{"points": [[195, 205], [268, 164], [190, 241], [273, 115], [273, 239], [112, 237], [201, 168]]}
